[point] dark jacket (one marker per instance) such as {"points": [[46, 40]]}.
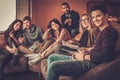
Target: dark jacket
{"points": [[75, 20], [105, 46]]}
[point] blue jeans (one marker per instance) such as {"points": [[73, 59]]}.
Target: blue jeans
{"points": [[61, 65]]}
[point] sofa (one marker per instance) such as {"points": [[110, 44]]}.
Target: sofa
{"points": [[106, 71], [22, 71]]}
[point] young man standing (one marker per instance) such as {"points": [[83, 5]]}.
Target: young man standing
{"points": [[70, 19], [79, 63]]}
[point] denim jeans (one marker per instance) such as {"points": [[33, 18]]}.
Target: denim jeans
{"points": [[61, 65]]}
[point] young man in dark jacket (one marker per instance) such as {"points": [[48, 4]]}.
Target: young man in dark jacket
{"points": [[70, 19]]}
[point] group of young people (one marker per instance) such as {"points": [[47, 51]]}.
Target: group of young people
{"points": [[98, 42]]}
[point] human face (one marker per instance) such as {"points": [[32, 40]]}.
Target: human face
{"points": [[65, 9], [17, 26], [98, 18], [27, 23], [85, 21], [54, 26]]}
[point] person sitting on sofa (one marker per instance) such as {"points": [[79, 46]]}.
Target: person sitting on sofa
{"points": [[54, 33], [11, 36], [32, 37], [81, 62], [85, 38]]}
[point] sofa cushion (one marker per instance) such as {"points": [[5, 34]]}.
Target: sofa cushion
{"points": [[35, 67], [20, 67]]}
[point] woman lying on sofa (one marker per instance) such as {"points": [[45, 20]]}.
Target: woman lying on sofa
{"points": [[11, 36]]}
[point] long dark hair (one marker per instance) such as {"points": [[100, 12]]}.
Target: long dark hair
{"points": [[57, 22], [11, 29], [11, 26]]}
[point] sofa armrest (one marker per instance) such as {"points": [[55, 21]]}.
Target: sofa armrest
{"points": [[20, 67], [105, 71]]}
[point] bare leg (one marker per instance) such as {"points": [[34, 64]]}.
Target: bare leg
{"points": [[24, 50], [46, 45]]}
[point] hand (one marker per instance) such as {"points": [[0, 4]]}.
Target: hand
{"points": [[84, 50], [41, 51], [21, 40], [81, 50], [42, 55], [70, 41], [64, 43], [69, 22], [39, 45], [13, 50], [78, 56], [48, 30], [11, 34], [111, 18], [66, 21]]}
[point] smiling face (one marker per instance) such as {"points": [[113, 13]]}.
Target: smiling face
{"points": [[17, 26], [27, 23], [85, 21], [54, 26], [98, 18], [65, 9]]}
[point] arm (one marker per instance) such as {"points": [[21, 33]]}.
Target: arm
{"points": [[15, 40], [14, 37], [61, 37], [105, 46], [48, 51], [8, 42], [47, 34], [11, 50], [52, 47]]}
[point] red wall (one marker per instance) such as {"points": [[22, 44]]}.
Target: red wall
{"points": [[45, 10]]}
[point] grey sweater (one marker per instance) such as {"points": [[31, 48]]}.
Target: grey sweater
{"points": [[32, 35]]}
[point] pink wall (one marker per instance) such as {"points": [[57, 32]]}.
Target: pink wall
{"points": [[45, 10]]}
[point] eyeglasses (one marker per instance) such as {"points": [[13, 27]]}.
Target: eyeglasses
{"points": [[84, 19]]}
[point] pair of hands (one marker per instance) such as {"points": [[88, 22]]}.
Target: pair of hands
{"points": [[82, 54], [78, 55], [68, 21]]}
